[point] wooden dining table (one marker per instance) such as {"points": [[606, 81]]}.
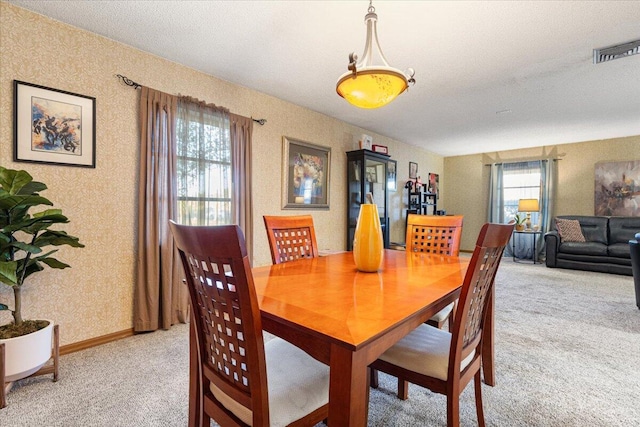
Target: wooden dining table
{"points": [[347, 319]]}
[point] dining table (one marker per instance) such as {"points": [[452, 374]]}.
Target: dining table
{"points": [[346, 318]]}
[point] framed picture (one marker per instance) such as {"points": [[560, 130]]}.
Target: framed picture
{"points": [[617, 188], [53, 126], [372, 174], [413, 170], [306, 169], [391, 175], [434, 184]]}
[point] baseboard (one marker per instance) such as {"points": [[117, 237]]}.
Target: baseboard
{"points": [[92, 342]]}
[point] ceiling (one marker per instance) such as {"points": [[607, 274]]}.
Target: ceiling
{"points": [[490, 75]]}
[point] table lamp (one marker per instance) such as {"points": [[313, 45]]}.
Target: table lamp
{"points": [[528, 206]]}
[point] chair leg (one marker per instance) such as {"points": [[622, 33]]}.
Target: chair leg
{"points": [[477, 380], [373, 377], [453, 409], [403, 389]]}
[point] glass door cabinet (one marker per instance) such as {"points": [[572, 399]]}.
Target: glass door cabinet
{"points": [[368, 172]]}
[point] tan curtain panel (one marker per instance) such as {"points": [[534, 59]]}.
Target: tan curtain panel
{"points": [[241, 132], [160, 299]]}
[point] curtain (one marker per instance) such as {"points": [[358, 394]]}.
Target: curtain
{"points": [[547, 200], [242, 206], [160, 298], [496, 199]]}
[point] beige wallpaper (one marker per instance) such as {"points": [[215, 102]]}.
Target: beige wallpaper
{"points": [[468, 183], [94, 297]]}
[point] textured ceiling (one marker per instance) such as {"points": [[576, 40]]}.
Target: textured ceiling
{"points": [[490, 75]]}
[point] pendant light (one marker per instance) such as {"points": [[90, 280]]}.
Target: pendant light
{"points": [[366, 85]]}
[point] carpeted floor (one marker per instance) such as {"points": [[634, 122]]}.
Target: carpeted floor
{"points": [[567, 354]]}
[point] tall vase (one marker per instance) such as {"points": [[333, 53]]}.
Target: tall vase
{"points": [[368, 245]]}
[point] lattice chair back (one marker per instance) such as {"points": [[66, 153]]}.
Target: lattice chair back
{"points": [[291, 237], [437, 234], [226, 312], [476, 292]]}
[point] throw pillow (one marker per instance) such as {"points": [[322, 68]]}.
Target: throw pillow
{"points": [[569, 230]]}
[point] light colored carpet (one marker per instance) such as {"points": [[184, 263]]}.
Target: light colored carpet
{"points": [[567, 354]]}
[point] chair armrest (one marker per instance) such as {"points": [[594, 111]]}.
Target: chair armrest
{"points": [[551, 243]]}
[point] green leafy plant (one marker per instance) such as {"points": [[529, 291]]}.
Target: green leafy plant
{"points": [[23, 235], [520, 219]]}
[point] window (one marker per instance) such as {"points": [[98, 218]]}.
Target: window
{"points": [[520, 180], [204, 171]]}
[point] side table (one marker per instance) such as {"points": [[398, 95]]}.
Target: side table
{"points": [[535, 235]]}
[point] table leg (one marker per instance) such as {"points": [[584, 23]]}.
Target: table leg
{"points": [[347, 388], [194, 377], [488, 369]]}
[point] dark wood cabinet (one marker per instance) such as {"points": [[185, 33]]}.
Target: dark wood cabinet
{"points": [[368, 172]]}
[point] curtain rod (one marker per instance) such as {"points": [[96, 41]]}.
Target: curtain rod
{"points": [[127, 81], [522, 161]]}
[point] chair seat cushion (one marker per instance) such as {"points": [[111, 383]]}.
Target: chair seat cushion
{"points": [[298, 385], [425, 350], [442, 315]]}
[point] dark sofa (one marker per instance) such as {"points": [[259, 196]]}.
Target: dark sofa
{"points": [[606, 248]]}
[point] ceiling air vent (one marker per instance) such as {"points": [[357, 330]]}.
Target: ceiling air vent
{"points": [[614, 52]]}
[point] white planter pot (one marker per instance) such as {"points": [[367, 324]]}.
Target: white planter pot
{"points": [[26, 354]]}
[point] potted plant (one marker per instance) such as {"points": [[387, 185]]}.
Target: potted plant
{"points": [[22, 239], [520, 222]]}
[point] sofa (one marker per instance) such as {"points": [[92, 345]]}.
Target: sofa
{"points": [[605, 247]]}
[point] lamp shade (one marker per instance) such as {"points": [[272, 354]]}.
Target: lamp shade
{"points": [[528, 205], [371, 87], [370, 81]]}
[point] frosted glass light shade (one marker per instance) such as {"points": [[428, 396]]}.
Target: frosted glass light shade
{"points": [[371, 82], [371, 88]]}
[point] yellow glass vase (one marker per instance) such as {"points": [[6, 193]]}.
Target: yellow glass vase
{"points": [[368, 245]]}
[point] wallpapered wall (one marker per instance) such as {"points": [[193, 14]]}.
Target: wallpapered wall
{"points": [[94, 297], [469, 178]]}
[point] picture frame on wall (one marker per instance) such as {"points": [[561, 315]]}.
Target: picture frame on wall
{"points": [[433, 186], [413, 170], [391, 175], [53, 126], [306, 170], [617, 188]]}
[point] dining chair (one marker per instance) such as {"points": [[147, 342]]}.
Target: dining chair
{"points": [[242, 380], [435, 234], [443, 361], [291, 237]]}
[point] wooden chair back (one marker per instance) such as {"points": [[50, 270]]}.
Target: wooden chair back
{"points": [[227, 320], [474, 297], [437, 234], [291, 237]]}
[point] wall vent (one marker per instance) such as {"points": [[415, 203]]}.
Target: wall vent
{"points": [[614, 52]]}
